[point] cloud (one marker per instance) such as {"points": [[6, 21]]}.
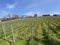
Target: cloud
{"points": [[56, 11], [4, 12], [11, 6], [31, 13]]}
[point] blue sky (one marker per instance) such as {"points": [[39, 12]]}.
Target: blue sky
{"points": [[29, 7]]}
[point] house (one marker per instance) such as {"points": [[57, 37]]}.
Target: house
{"points": [[46, 15]]}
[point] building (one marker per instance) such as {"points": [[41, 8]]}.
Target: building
{"points": [[46, 15]]}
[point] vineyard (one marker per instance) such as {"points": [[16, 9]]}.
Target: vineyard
{"points": [[31, 31]]}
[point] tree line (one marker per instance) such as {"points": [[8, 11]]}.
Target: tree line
{"points": [[17, 17]]}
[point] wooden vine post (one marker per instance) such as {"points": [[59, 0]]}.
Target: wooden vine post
{"points": [[3, 28], [13, 39]]}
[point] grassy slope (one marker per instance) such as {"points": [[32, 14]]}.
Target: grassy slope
{"points": [[32, 31]]}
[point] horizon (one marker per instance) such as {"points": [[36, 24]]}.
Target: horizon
{"points": [[29, 7]]}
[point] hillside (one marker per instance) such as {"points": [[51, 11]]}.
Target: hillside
{"points": [[31, 31]]}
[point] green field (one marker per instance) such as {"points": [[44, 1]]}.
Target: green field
{"points": [[31, 31]]}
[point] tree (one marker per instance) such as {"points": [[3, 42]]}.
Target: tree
{"points": [[15, 17], [35, 15], [55, 15]]}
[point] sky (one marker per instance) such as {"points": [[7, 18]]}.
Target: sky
{"points": [[29, 7]]}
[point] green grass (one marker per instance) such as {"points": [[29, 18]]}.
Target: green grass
{"points": [[32, 31]]}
